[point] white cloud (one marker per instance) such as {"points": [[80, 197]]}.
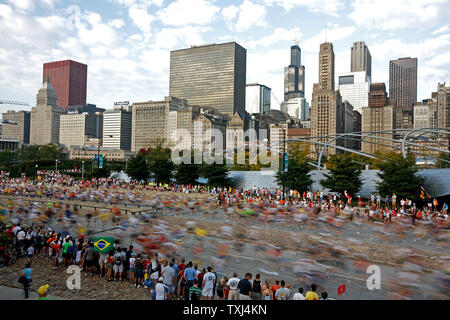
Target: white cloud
{"points": [[250, 14], [27, 5], [329, 7], [440, 60], [230, 12], [49, 3], [279, 34], [395, 48], [99, 33], [176, 38], [184, 12], [441, 30], [117, 23], [389, 15], [333, 34], [141, 18], [146, 3]]}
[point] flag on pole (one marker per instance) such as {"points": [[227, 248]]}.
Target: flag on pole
{"points": [[429, 197]]}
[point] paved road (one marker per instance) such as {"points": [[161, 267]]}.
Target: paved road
{"points": [[8, 293], [246, 257]]}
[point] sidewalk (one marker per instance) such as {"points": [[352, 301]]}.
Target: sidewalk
{"points": [[7, 293]]}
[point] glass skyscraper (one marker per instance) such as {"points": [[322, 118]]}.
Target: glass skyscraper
{"points": [[210, 76]]}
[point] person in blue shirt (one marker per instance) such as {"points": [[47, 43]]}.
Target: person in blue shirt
{"points": [[175, 268], [27, 274], [189, 275]]}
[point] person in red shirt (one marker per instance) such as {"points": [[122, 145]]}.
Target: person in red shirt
{"points": [[181, 266], [55, 249], [275, 288]]}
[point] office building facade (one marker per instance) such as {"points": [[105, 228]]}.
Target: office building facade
{"points": [[403, 81], [117, 124], [69, 79], [19, 126], [75, 129], [257, 98], [378, 116], [210, 76], [296, 108], [354, 87], [150, 122]]}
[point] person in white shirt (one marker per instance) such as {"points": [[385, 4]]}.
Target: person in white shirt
{"points": [[233, 285], [160, 290], [299, 295], [209, 279], [169, 277]]}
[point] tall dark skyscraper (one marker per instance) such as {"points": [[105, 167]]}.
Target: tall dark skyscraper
{"points": [[403, 89], [69, 78], [361, 60], [403, 81], [210, 75], [294, 76]]}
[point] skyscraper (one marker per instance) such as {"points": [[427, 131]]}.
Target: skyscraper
{"points": [[354, 87], [361, 60], [403, 82], [69, 79], [294, 76], [150, 122], [257, 98], [210, 76], [443, 106], [44, 118], [75, 128], [378, 116], [326, 104], [117, 128]]}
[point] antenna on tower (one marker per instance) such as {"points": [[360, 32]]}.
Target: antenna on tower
{"points": [[295, 38], [326, 30]]}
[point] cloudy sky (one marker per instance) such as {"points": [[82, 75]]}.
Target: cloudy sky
{"points": [[126, 43]]}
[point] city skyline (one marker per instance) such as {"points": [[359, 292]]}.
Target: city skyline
{"points": [[129, 41]]}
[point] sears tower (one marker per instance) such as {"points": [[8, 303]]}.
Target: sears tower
{"points": [[294, 76]]}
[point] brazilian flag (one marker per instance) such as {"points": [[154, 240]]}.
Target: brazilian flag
{"points": [[103, 244]]}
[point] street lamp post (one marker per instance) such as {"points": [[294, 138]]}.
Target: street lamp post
{"points": [[98, 160], [56, 165], [98, 156], [283, 162], [82, 170]]}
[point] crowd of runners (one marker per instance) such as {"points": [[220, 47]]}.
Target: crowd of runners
{"points": [[47, 219], [166, 279]]}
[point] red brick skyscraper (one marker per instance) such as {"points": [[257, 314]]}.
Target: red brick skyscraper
{"points": [[69, 78]]}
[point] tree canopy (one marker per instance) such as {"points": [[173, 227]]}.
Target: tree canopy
{"points": [[345, 174]]}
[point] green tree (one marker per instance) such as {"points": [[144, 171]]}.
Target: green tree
{"points": [[398, 175], [217, 174], [187, 173], [137, 167], [443, 160], [297, 177], [345, 174], [160, 165]]}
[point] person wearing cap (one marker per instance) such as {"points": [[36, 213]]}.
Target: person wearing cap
{"points": [[161, 290], [42, 291]]}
